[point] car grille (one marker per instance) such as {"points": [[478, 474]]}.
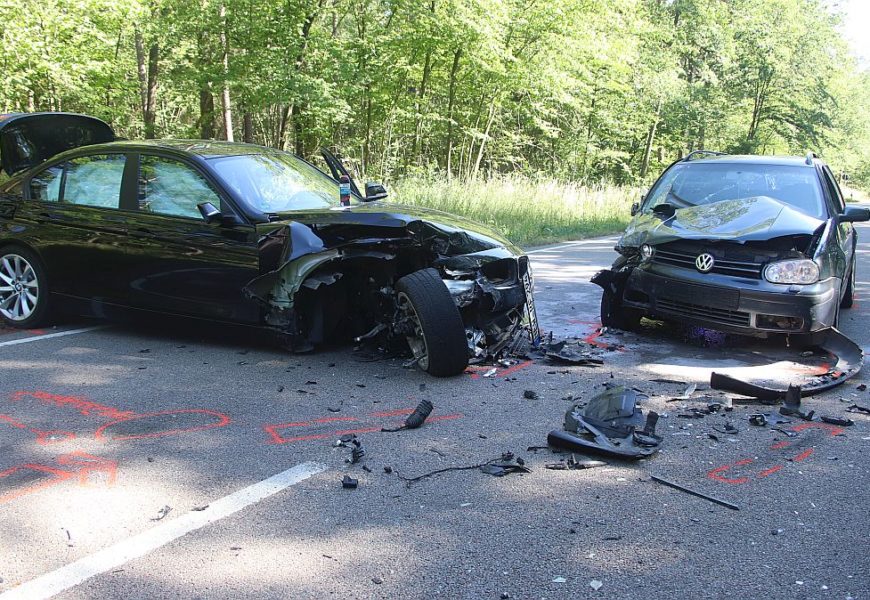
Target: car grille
{"points": [[707, 313], [686, 258]]}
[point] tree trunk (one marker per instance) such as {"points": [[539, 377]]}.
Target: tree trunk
{"points": [[650, 139], [141, 71], [298, 130], [247, 127], [225, 96], [451, 96], [206, 113], [151, 97], [490, 118]]}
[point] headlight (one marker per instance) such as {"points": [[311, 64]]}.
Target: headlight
{"points": [[647, 251], [792, 271]]}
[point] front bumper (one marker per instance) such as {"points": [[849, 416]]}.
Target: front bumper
{"points": [[745, 306]]}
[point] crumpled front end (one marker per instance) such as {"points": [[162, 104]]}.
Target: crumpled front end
{"points": [[337, 281]]}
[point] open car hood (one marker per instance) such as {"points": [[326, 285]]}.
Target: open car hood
{"points": [[747, 219], [27, 139]]}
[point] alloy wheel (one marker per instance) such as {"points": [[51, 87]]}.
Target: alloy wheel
{"points": [[416, 340], [19, 287]]}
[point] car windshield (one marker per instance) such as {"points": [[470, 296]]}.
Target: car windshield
{"points": [[277, 182], [688, 184]]}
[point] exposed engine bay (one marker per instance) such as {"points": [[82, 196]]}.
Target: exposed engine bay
{"points": [[339, 282]]}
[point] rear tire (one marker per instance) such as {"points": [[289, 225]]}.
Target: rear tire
{"points": [[23, 288], [849, 297], [614, 314], [438, 341]]}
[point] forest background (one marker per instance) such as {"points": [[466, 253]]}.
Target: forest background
{"points": [[544, 118]]}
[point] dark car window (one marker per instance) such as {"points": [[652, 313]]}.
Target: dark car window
{"points": [[837, 197], [170, 187], [688, 184], [45, 186], [92, 181], [277, 182]]}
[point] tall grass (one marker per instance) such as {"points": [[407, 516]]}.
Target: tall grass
{"points": [[528, 212]]}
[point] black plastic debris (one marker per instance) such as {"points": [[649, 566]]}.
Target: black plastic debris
{"points": [[574, 464], [762, 419], [611, 424], [416, 418], [850, 359], [792, 404], [530, 394], [857, 408], [572, 353], [161, 514], [349, 483], [838, 421], [728, 428]]}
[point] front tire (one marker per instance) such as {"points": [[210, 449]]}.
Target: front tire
{"points": [[23, 288], [614, 314], [849, 297], [437, 337]]}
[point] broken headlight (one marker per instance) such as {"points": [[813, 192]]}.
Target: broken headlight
{"points": [[801, 271], [647, 252]]}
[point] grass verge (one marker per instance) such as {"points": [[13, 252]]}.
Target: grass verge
{"points": [[528, 212]]}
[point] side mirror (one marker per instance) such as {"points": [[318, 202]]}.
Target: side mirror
{"points": [[855, 214], [375, 191], [209, 212], [635, 208]]}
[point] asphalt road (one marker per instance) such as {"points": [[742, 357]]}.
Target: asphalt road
{"points": [[135, 461]]}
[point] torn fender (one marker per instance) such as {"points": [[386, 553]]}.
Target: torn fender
{"points": [[850, 359]]}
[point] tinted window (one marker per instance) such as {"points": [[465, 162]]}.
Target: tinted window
{"points": [[277, 182], [839, 203], [692, 184], [93, 181], [45, 187], [169, 187]]}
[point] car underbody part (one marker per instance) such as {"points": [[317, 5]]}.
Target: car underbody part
{"points": [[683, 488], [850, 359], [610, 424], [446, 294]]}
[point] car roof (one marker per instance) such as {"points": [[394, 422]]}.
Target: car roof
{"points": [[792, 161], [204, 148]]}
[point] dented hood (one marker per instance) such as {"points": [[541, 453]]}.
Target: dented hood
{"points": [[396, 216], [747, 219]]}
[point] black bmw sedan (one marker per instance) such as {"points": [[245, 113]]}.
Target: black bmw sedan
{"points": [[752, 245], [244, 234]]}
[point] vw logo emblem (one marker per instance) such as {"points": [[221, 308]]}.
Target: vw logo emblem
{"points": [[705, 262]]}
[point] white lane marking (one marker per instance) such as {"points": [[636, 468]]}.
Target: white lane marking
{"points": [[46, 336], [46, 586]]}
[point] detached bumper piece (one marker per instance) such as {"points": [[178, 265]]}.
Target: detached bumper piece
{"points": [[610, 425], [850, 359]]}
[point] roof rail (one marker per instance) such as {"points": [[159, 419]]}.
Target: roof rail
{"points": [[810, 156], [699, 153]]}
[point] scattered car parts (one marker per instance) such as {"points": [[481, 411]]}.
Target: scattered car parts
{"points": [[683, 488], [610, 424], [850, 359]]}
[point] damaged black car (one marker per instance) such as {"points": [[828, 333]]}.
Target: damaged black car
{"points": [[245, 234], [752, 245]]}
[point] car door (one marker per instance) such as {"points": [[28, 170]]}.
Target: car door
{"points": [[845, 231], [80, 224], [181, 263]]}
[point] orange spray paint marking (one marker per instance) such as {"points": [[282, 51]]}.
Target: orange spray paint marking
{"points": [[82, 405], [43, 438], [221, 420]]}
